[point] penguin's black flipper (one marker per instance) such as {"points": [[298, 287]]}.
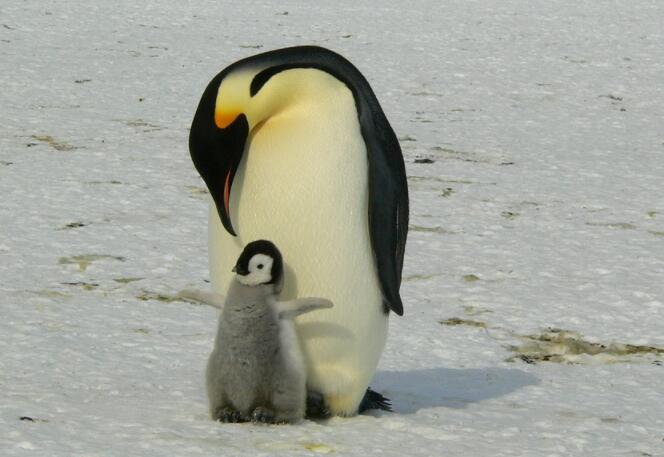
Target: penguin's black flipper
{"points": [[374, 400], [316, 407]]}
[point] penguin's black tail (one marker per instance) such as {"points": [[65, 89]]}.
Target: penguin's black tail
{"points": [[374, 400], [317, 409]]}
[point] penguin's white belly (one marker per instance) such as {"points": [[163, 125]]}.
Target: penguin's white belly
{"points": [[303, 184]]}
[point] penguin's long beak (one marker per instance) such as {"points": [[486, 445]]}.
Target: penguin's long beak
{"points": [[225, 117], [216, 144]]}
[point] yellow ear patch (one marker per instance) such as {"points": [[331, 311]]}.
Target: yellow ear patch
{"points": [[224, 118]]}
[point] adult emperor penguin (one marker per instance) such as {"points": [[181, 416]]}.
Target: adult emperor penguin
{"points": [[294, 147]]}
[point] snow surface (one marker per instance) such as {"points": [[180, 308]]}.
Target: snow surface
{"points": [[543, 209]]}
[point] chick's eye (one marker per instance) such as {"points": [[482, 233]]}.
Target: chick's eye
{"points": [[260, 266]]}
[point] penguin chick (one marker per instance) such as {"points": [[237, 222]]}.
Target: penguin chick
{"points": [[256, 371]]}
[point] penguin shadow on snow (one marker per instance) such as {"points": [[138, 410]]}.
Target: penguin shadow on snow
{"points": [[411, 391]]}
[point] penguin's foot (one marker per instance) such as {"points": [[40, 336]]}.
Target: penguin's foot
{"points": [[228, 415], [316, 407], [263, 415], [374, 400]]}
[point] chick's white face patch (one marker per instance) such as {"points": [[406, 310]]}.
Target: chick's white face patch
{"points": [[260, 271]]}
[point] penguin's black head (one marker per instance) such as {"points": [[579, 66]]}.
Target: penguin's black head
{"points": [[259, 263], [243, 97]]}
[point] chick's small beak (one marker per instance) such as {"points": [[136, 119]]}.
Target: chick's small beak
{"points": [[240, 270]]}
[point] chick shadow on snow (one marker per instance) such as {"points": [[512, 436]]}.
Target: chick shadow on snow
{"points": [[411, 391]]}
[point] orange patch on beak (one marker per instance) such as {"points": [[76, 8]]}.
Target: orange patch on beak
{"points": [[227, 193], [225, 118]]}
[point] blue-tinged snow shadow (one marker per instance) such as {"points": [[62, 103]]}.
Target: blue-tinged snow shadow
{"points": [[413, 390]]}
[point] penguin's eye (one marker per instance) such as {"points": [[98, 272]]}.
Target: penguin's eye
{"points": [[260, 266]]}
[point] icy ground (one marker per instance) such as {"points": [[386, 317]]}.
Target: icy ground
{"points": [[537, 234]]}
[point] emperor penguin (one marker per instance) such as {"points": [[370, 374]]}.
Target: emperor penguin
{"points": [[294, 146], [256, 371]]}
